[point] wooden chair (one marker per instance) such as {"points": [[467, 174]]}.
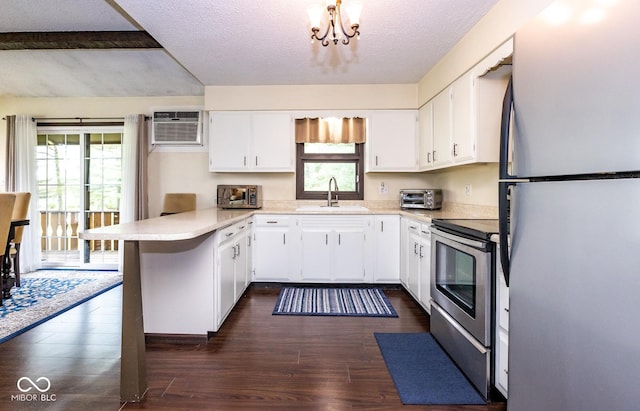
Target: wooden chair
{"points": [[178, 203], [20, 212], [7, 201]]}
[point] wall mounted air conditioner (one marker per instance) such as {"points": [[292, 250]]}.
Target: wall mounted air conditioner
{"points": [[177, 128]]}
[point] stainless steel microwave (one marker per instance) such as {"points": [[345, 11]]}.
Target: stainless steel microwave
{"points": [[239, 196], [427, 199]]}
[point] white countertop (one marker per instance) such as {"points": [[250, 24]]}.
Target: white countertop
{"points": [[193, 224], [182, 226]]}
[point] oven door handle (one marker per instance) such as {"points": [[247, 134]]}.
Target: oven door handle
{"points": [[459, 239]]}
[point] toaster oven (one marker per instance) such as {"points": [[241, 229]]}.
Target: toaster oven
{"points": [[426, 199]]}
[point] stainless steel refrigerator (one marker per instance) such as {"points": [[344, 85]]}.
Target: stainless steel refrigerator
{"points": [[573, 267]]}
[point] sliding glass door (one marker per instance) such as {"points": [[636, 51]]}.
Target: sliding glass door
{"points": [[79, 173]]}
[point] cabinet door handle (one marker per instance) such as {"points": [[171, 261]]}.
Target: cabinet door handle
{"points": [[415, 248], [429, 158], [455, 151], [245, 160], [326, 239], [421, 247], [256, 160], [339, 238], [284, 238], [376, 160], [234, 252], [382, 226], [238, 247]]}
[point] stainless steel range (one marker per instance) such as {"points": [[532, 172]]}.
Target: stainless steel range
{"points": [[462, 268]]}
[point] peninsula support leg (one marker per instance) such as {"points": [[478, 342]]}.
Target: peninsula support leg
{"points": [[133, 365]]}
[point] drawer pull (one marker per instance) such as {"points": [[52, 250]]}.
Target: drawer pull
{"points": [[272, 222]]}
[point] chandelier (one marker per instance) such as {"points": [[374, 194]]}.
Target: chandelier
{"points": [[335, 28]]}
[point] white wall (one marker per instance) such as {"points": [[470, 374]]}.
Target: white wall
{"points": [[498, 25]]}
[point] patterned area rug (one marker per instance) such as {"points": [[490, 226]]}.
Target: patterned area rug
{"points": [[47, 293], [364, 302]]}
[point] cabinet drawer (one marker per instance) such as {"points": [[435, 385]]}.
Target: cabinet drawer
{"points": [[272, 220], [231, 231], [333, 222]]}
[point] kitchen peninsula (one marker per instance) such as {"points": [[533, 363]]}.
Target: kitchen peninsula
{"points": [[174, 270]]}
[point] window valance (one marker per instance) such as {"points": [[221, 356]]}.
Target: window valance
{"points": [[331, 130]]}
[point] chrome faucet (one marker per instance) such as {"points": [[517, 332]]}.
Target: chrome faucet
{"points": [[330, 201]]}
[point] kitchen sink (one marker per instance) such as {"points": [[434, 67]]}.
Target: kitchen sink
{"points": [[334, 209]]}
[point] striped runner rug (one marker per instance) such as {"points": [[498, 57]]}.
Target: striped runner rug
{"points": [[364, 302]]}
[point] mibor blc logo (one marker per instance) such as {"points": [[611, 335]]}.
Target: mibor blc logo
{"points": [[33, 391]]}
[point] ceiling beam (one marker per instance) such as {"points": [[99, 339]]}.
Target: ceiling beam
{"points": [[56, 40]]}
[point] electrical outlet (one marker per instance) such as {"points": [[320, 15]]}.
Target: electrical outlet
{"points": [[467, 190], [383, 188]]}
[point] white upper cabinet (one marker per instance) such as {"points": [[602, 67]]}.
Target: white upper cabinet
{"points": [[229, 137], [441, 154], [272, 146], [392, 141], [463, 120], [466, 116], [425, 139], [251, 142]]}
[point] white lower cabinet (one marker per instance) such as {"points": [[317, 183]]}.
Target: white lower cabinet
{"points": [[332, 248], [502, 332], [425, 267], [230, 273], [273, 247], [417, 256], [386, 252]]}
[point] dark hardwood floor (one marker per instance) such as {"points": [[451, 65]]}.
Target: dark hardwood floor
{"points": [[257, 361]]}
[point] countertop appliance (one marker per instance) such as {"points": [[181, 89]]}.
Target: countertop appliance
{"points": [[239, 196], [573, 269], [426, 199], [462, 278]]}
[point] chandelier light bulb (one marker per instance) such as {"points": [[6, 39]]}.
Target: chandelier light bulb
{"points": [[353, 11], [315, 15]]}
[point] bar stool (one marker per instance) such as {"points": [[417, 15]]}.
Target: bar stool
{"points": [[178, 203], [7, 201], [20, 212]]}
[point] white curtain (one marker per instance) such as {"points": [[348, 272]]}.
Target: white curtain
{"points": [[129, 166], [26, 137]]}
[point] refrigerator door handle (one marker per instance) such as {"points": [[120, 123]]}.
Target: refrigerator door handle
{"points": [[503, 183], [505, 126], [503, 227]]}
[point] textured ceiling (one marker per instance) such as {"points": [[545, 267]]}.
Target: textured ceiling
{"points": [[233, 42]]}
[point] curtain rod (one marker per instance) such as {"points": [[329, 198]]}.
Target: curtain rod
{"points": [[80, 119]]}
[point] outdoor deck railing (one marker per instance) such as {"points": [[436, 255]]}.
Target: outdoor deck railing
{"points": [[59, 230]]}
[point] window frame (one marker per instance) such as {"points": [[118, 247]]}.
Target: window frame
{"points": [[91, 254], [302, 158]]}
